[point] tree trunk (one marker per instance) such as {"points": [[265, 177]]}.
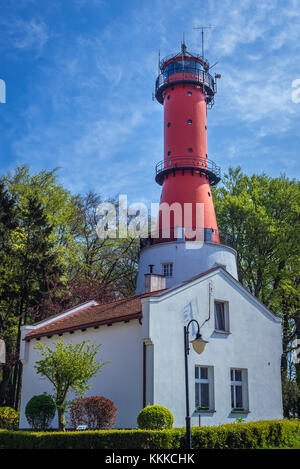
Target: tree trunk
{"points": [[61, 416], [6, 375], [18, 390]]}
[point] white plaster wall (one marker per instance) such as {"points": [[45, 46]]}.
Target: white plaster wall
{"points": [[254, 343], [187, 262], [120, 380]]}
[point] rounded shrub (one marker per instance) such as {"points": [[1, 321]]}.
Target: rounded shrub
{"points": [[9, 418], [97, 412], [40, 411], [155, 417]]}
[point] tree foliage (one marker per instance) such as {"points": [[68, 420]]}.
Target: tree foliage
{"points": [[68, 367]]}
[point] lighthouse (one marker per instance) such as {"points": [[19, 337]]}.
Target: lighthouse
{"points": [[183, 279], [187, 241]]}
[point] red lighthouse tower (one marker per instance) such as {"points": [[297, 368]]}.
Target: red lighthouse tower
{"points": [[186, 88]]}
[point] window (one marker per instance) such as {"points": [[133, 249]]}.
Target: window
{"points": [[168, 269], [169, 153], [189, 121], [221, 316], [239, 392], [204, 387], [189, 93], [179, 66], [190, 150], [169, 96], [169, 124]]}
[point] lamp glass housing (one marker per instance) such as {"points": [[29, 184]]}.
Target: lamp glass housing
{"points": [[199, 344]]}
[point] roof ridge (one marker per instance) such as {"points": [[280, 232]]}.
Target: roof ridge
{"points": [[79, 305]]}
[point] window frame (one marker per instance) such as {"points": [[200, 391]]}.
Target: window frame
{"points": [[210, 382], [226, 329], [243, 383], [169, 265]]}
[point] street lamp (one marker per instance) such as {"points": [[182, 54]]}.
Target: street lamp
{"points": [[198, 345]]}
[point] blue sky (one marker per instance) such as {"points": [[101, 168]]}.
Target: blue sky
{"points": [[80, 75]]}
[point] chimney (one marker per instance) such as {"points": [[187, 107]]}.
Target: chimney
{"points": [[154, 282]]}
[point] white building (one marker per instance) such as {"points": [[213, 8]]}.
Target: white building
{"points": [[238, 373], [143, 338]]}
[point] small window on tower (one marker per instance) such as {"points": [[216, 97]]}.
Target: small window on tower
{"points": [[169, 153], [168, 269], [189, 121], [189, 93], [169, 124], [169, 96], [190, 150]]}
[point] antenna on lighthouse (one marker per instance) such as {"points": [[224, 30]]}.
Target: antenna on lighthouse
{"points": [[202, 35], [158, 60]]}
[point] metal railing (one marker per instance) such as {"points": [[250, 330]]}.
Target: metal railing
{"points": [[209, 236], [208, 167]]}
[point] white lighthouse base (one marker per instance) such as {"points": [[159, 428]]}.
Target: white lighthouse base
{"points": [[187, 260]]}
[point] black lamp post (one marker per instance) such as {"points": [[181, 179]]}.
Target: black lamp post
{"points": [[198, 345]]}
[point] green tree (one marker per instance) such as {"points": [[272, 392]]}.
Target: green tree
{"points": [[111, 262], [36, 222], [68, 367], [59, 206], [8, 222], [33, 259]]}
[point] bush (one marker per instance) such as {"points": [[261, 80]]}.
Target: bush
{"points": [[251, 435], [263, 434], [40, 411], [9, 418], [96, 412], [155, 417]]}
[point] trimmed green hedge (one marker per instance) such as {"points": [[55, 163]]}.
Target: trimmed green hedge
{"points": [[230, 436], [250, 435], [98, 439]]}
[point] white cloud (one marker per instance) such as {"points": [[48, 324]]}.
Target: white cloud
{"points": [[24, 35], [106, 132]]}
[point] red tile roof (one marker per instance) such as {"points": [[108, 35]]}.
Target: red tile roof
{"points": [[108, 313]]}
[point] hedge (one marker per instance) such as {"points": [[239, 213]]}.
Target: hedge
{"points": [[229, 436]]}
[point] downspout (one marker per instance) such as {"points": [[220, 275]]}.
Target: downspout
{"points": [[210, 290], [144, 373]]}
